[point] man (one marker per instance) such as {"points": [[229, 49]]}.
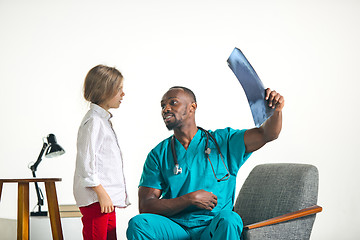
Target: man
{"points": [[186, 190]]}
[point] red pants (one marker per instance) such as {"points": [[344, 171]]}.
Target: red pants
{"points": [[97, 225]]}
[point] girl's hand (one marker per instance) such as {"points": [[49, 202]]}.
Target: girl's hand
{"points": [[106, 204]]}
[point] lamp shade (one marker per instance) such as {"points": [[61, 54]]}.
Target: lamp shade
{"points": [[54, 149]]}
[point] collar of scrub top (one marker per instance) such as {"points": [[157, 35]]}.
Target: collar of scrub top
{"points": [[178, 169]]}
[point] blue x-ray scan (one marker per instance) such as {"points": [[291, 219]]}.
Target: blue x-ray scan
{"points": [[252, 85]]}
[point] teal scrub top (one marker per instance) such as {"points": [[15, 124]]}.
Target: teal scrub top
{"points": [[196, 173]]}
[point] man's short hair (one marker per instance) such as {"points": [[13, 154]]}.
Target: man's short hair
{"points": [[187, 91]]}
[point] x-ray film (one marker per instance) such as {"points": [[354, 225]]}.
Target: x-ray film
{"points": [[252, 85]]}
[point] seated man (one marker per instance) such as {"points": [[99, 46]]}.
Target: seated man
{"points": [[187, 188]]}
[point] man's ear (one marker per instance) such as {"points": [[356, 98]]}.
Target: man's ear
{"points": [[193, 107]]}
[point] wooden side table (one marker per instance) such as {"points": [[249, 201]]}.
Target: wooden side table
{"points": [[23, 205]]}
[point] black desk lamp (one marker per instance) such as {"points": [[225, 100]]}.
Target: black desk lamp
{"points": [[51, 149]]}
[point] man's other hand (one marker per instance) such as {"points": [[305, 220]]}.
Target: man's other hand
{"points": [[203, 199]]}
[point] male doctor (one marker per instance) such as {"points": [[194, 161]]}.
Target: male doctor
{"points": [[187, 188]]}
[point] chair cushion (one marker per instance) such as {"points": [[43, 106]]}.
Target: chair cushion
{"points": [[290, 230]]}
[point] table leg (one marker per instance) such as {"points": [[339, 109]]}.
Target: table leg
{"points": [[23, 211], [1, 184], [53, 211]]}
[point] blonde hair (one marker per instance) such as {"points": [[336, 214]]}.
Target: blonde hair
{"points": [[101, 83]]}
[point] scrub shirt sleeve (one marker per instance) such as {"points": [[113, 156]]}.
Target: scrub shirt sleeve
{"points": [[151, 176], [236, 146]]}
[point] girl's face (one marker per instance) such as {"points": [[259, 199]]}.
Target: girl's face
{"points": [[115, 101]]}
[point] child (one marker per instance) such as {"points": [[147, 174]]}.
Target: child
{"points": [[99, 183]]}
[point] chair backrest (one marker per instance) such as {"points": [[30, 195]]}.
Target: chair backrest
{"points": [[275, 189]]}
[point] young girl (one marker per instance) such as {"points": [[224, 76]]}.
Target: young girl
{"points": [[99, 183]]}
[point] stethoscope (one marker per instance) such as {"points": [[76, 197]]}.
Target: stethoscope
{"points": [[178, 169]]}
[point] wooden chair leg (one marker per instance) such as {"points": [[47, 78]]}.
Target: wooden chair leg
{"points": [[54, 211], [23, 211]]}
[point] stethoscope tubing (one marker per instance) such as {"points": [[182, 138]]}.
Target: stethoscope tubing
{"points": [[178, 169]]}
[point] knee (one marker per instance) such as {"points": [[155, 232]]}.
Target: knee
{"points": [[136, 225], [137, 221], [230, 218]]}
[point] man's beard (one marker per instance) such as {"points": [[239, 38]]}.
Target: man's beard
{"points": [[177, 123], [173, 125]]}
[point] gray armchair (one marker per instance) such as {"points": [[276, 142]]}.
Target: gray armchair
{"points": [[278, 201]]}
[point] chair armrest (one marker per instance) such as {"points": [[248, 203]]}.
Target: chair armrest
{"points": [[286, 217]]}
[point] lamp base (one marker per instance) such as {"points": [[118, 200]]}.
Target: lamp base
{"points": [[39, 214]]}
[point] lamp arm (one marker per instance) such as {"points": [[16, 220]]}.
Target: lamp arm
{"points": [[35, 165], [33, 168], [39, 195]]}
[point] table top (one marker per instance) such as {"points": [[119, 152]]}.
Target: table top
{"points": [[30, 180]]}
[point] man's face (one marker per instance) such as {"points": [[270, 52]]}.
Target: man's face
{"points": [[175, 106]]}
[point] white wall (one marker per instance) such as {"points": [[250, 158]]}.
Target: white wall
{"points": [[307, 50]]}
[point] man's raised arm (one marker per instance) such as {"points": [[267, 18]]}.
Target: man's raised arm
{"points": [[257, 137]]}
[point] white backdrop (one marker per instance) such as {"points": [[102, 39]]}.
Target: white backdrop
{"points": [[306, 50]]}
